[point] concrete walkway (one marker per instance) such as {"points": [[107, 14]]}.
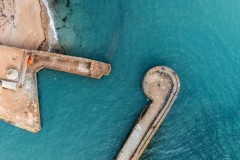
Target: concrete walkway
{"points": [[161, 85], [18, 81]]}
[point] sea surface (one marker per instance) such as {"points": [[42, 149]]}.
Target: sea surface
{"points": [[89, 119]]}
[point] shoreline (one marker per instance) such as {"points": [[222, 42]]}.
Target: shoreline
{"points": [[53, 37], [27, 24]]}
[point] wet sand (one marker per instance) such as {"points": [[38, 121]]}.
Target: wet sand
{"points": [[25, 24]]}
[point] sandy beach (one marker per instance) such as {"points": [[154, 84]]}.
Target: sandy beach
{"points": [[26, 24]]}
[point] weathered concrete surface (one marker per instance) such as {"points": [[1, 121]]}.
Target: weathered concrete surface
{"points": [[20, 106], [161, 85]]}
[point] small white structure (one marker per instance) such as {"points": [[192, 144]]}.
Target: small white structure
{"points": [[9, 85], [12, 74]]}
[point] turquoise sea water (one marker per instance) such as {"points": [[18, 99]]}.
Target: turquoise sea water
{"points": [[84, 118]]}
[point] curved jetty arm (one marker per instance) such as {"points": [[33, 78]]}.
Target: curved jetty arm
{"points": [[18, 81], [161, 85]]}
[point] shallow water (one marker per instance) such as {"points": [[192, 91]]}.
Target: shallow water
{"points": [[83, 118]]}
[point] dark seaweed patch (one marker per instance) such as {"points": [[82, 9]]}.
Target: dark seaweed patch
{"points": [[68, 3], [64, 19]]}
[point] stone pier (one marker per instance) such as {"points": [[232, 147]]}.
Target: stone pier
{"points": [[161, 85], [18, 81]]}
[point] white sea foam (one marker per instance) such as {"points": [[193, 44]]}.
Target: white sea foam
{"points": [[53, 37]]}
